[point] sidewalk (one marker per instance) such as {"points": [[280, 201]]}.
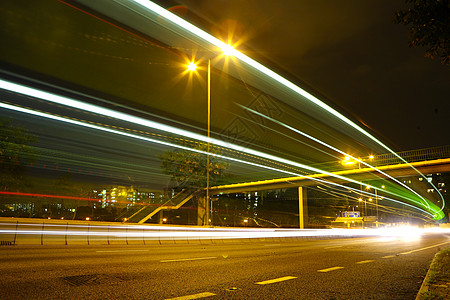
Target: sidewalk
{"points": [[436, 284]]}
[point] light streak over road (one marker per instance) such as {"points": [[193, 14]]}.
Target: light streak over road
{"points": [[16, 88], [76, 231], [146, 7], [223, 47]]}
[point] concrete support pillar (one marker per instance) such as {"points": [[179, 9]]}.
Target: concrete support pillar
{"points": [[160, 217], [302, 207], [202, 211]]}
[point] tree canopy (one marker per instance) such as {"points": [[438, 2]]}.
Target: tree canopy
{"points": [[188, 168], [15, 153], [429, 26]]}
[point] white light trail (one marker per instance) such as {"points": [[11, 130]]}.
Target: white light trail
{"points": [[249, 61], [96, 127], [425, 202], [93, 232], [20, 89], [261, 68]]}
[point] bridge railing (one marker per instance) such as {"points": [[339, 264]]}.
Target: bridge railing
{"points": [[413, 156], [410, 156]]}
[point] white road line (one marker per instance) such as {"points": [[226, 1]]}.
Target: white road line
{"points": [[137, 250], [388, 256], [194, 296], [187, 259], [332, 247], [329, 269], [425, 248], [365, 261], [276, 280]]}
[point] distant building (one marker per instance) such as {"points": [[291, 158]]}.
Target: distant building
{"points": [[121, 197]]}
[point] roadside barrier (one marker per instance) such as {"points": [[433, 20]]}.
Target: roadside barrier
{"points": [[60, 232]]}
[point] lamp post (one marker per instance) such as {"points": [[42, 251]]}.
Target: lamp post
{"points": [[192, 66], [208, 202], [349, 161], [227, 50]]}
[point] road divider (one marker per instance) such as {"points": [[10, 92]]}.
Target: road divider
{"points": [[24, 231]]}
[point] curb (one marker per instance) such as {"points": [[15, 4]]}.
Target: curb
{"points": [[425, 285]]}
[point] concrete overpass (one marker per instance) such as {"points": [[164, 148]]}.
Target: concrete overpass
{"points": [[360, 174], [398, 170]]}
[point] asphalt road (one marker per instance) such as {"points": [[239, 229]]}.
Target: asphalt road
{"points": [[358, 268]]}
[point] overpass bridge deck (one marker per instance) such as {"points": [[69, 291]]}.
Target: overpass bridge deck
{"points": [[397, 170]]}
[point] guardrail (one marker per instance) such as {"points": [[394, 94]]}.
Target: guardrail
{"points": [[387, 159], [58, 232]]}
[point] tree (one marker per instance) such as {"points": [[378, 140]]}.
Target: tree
{"points": [[429, 22], [15, 154], [188, 168]]}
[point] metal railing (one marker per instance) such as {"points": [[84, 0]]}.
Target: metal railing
{"points": [[412, 156], [386, 159]]}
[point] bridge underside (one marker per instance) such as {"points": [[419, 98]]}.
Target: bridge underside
{"points": [[399, 170]]}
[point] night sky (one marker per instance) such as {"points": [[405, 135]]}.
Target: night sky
{"points": [[350, 53]]}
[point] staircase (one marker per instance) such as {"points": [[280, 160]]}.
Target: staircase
{"points": [[125, 215], [146, 212]]}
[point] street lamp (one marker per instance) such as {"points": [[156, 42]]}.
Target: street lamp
{"points": [[351, 160], [192, 66], [228, 50], [376, 199]]}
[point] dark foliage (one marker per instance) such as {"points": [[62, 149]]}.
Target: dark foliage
{"points": [[429, 26]]}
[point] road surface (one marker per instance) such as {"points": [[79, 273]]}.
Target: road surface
{"points": [[356, 268]]}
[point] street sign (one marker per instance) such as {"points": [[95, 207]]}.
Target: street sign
{"points": [[350, 214]]}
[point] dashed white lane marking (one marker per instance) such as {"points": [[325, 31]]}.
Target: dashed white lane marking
{"points": [[425, 248], [187, 259], [332, 247], [389, 256], [365, 261], [276, 280], [137, 250], [194, 296], [330, 269]]}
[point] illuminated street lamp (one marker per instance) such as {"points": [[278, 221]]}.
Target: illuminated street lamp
{"points": [[227, 50], [349, 161], [192, 66], [376, 200]]}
